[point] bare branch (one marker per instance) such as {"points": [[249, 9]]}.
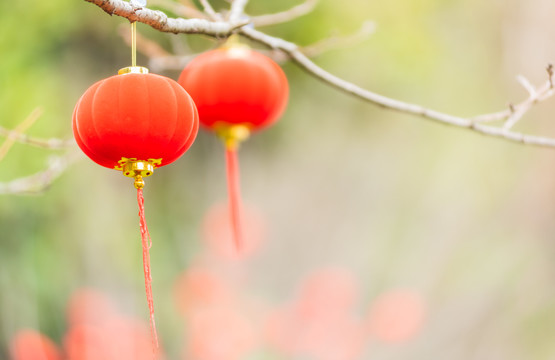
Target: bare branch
{"points": [[17, 135], [210, 10], [51, 144], [519, 112], [40, 181], [285, 16], [526, 85], [160, 21], [237, 10], [18, 131], [367, 28], [304, 62], [544, 92]]}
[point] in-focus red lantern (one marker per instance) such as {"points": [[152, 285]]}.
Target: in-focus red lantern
{"points": [[237, 90], [135, 122]]}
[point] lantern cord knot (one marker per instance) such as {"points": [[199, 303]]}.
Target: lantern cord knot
{"points": [[139, 182]]}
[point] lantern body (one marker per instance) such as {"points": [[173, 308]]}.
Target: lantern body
{"points": [[236, 86], [133, 116]]}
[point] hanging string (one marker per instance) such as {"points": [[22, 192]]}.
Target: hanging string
{"points": [[147, 243], [234, 194], [134, 43]]}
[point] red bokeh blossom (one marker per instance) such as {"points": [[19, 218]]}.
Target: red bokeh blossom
{"points": [[217, 232], [320, 322], [32, 345], [396, 316], [220, 334]]}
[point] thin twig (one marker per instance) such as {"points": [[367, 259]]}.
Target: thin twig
{"points": [[210, 10], [237, 10], [40, 181], [17, 135], [285, 16], [518, 113], [526, 85], [51, 144], [544, 92], [11, 139], [367, 28]]}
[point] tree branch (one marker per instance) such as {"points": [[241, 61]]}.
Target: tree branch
{"points": [[51, 144], [17, 135], [305, 63], [210, 10], [544, 92], [285, 16], [40, 181], [18, 131], [367, 28], [160, 21], [237, 10]]}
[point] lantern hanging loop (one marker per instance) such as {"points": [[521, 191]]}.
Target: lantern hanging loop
{"points": [[134, 43]]}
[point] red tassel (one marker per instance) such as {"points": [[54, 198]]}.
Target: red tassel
{"points": [[234, 194], [147, 243]]}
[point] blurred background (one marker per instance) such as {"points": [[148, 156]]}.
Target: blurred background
{"points": [[400, 237]]}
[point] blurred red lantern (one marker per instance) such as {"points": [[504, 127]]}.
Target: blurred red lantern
{"points": [[236, 90], [236, 86], [135, 122]]}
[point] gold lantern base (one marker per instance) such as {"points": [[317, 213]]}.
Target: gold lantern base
{"points": [[138, 169], [232, 135]]}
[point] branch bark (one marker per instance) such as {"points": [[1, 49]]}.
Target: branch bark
{"points": [[40, 181], [160, 21], [237, 10]]}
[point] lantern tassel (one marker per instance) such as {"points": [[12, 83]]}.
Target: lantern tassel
{"points": [[234, 194], [147, 243]]}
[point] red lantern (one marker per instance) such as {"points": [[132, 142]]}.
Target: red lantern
{"points": [[136, 122], [236, 90], [135, 119]]}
